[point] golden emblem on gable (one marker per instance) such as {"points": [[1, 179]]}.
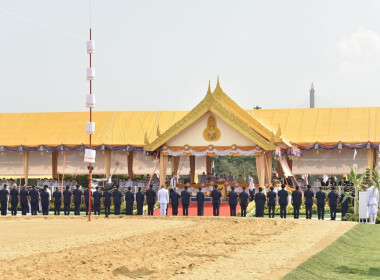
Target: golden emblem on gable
{"points": [[211, 132]]}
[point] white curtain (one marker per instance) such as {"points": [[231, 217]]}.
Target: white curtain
{"points": [[11, 164], [40, 164], [200, 165], [75, 163], [329, 162], [121, 158], [143, 166]]}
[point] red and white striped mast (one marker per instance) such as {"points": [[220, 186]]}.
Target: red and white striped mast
{"points": [[90, 154]]}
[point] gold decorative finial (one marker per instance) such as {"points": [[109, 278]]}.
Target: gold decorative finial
{"points": [[209, 87], [146, 141], [312, 86], [218, 88], [278, 134]]}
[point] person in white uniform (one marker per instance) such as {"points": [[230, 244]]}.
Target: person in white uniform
{"points": [[173, 181], [163, 200], [251, 187], [372, 203]]}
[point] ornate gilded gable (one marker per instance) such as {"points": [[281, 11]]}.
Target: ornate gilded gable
{"points": [[223, 107], [242, 114]]}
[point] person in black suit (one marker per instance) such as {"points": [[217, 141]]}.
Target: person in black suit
{"points": [[309, 196], [271, 201], [150, 199], [216, 196], [185, 195], [174, 197], [283, 201], [321, 201], [139, 201], [45, 201], [57, 196], [4, 195], [14, 194], [232, 201], [86, 199], [97, 195], [77, 193], [129, 200], [296, 202], [117, 195], [260, 203], [243, 202], [67, 200], [107, 202], [200, 201], [344, 204], [24, 200], [333, 202]]}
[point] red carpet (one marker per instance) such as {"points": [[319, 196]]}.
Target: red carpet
{"points": [[224, 210]]}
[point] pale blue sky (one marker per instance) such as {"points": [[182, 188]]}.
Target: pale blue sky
{"points": [[159, 55]]}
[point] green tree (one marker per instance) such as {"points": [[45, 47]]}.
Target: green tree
{"points": [[236, 165]]}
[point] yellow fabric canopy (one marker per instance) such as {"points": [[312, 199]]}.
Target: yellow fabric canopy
{"points": [[301, 126], [324, 125]]}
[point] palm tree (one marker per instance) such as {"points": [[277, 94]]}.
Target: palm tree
{"points": [[356, 181]]}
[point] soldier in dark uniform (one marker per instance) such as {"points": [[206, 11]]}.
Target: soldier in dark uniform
{"points": [[296, 202], [117, 195], [200, 201], [97, 195], [308, 196], [216, 196], [45, 201], [344, 204], [4, 194], [243, 202], [260, 203], [185, 198], [24, 200], [140, 201], [129, 200], [86, 199], [232, 201], [57, 196], [150, 199], [107, 202], [77, 193], [14, 199], [174, 197], [333, 202], [283, 201], [34, 196], [271, 201], [67, 200], [321, 200]]}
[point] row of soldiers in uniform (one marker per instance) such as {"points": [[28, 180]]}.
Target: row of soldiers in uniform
{"points": [[308, 198], [33, 197], [29, 200], [271, 199]]}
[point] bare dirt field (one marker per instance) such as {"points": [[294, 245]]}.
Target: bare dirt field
{"points": [[159, 248]]}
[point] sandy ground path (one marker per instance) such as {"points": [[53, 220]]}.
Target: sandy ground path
{"points": [[159, 248]]}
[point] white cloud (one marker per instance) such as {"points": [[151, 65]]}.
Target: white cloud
{"points": [[358, 51]]}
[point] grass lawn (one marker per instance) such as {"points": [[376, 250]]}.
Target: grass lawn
{"points": [[354, 255]]}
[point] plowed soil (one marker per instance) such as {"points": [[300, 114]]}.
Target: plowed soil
{"points": [[159, 247]]}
